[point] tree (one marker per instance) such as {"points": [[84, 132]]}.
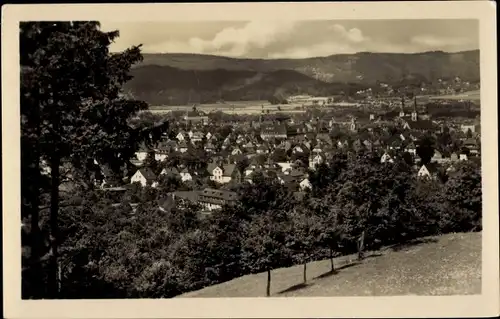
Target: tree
{"points": [[73, 106], [329, 234], [279, 155], [305, 230], [425, 149], [464, 196], [263, 247], [152, 163], [407, 158]]}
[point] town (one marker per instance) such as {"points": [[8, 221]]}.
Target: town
{"points": [[210, 157]]}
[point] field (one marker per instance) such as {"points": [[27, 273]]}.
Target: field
{"points": [[237, 107], [445, 265], [471, 95]]}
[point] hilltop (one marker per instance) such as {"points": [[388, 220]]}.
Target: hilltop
{"points": [[171, 79], [444, 265]]}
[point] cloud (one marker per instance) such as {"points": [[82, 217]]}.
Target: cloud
{"points": [[352, 35], [234, 41], [339, 40], [297, 39]]}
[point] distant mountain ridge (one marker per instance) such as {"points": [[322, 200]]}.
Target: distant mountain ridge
{"points": [[194, 78]]}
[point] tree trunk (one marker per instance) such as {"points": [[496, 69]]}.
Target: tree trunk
{"points": [[361, 245], [331, 259], [36, 277], [268, 288], [305, 272], [54, 227]]}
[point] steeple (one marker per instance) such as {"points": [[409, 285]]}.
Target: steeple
{"points": [[402, 111], [414, 114], [353, 124]]}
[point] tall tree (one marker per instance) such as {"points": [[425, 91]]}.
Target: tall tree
{"points": [[425, 149], [72, 99], [264, 245], [304, 233]]}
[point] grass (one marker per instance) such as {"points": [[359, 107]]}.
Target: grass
{"points": [[471, 95], [445, 265], [236, 107]]}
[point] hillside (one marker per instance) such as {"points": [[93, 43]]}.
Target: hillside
{"points": [[445, 265], [190, 78]]}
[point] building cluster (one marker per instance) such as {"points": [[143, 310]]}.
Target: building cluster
{"points": [[289, 151]]}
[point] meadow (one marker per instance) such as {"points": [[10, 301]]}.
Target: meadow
{"points": [[438, 265], [471, 95], [233, 107]]}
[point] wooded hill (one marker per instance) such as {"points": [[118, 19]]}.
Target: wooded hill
{"points": [[165, 79]]}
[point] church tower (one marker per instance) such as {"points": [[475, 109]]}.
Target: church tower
{"points": [[414, 114], [353, 126], [402, 111]]}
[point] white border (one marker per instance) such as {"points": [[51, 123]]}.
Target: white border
{"points": [[486, 304]]}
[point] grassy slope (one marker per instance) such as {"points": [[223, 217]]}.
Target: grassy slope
{"points": [[446, 265]]}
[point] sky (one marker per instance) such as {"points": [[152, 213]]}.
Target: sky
{"points": [[296, 39]]}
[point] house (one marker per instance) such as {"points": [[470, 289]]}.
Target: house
{"points": [[236, 151], [182, 147], [428, 171], [305, 184], [386, 158], [394, 143], [195, 116], [142, 153], [170, 172], [411, 148], [472, 127], [437, 157], [274, 131], [300, 149], [181, 136], [213, 199], [224, 173], [196, 137], [248, 177], [419, 125], [472, 145], [262, 149], [353, 126], [285, 145], [315, 160], [343, 143], [161, 151], [368, 145], [285, 165], [296, 129], [318, 148], [209, 147], [332, 123], [249, 147], [186, 175], [463, 157], [145, 177]]}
